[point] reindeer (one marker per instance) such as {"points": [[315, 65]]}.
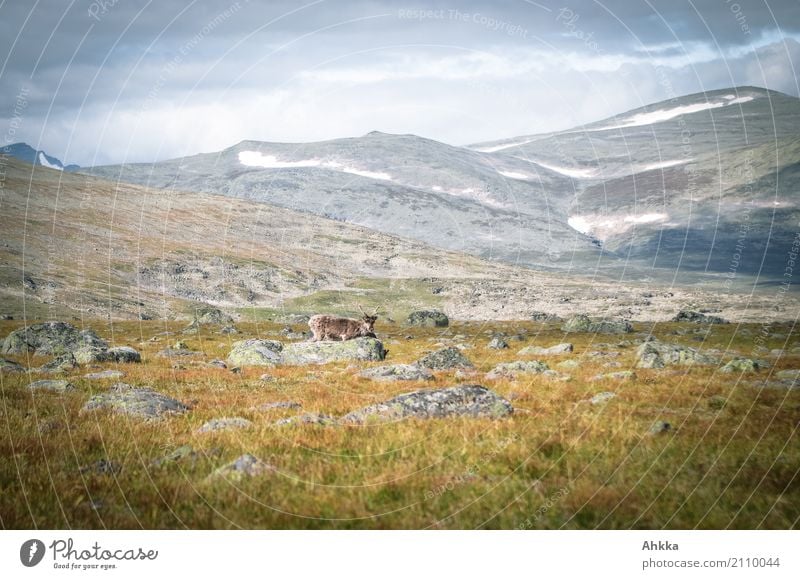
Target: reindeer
{"points": [[327, 327]]}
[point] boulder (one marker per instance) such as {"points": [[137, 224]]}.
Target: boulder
{"points": [[738, 365], [50, 339], [63, 363], [308, 418], [428, 318], [138, 402], [445, 359], [514, 369], [655, 354], [582, 323], [602, 397], [544, 317], [51, 385], [282, 405], [246, 466], [10, 367], [255, 353], [397, 372], [105, 375], [697, 318], [564, 348], [299, 353], [623, 375], [91, 355], [217, 424], [211, 315], [469, 400], [498, 343], [125, 354]]}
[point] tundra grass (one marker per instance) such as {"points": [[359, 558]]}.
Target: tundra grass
{"points": [[730, 460]]}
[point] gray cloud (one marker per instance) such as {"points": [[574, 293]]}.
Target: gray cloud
{"points": [[141, 80]]}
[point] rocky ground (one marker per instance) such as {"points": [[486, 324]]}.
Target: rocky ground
{"points": [[580, 423]]}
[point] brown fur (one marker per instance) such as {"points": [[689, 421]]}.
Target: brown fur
{"points": [[327, 327]]}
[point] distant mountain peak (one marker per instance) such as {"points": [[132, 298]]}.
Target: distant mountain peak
{"points": [[24, 152]]}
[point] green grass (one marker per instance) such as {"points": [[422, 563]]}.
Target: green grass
{"points": [[558, 462]]}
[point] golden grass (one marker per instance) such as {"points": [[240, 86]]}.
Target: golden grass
{"points": [[558, 462]]}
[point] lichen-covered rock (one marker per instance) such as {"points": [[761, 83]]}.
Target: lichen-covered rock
{"points": [[308, 418], [50, 339], [177, 353], [792, 374], [125, 355], [397, 372], [602, 397], [211, 315], [514, 369], [91, 355], [299, 353], [138, 402], [469, 400], [568, 365], [623, 375], [655, 354], [428, 318], [564, 348], [445, 359], [105, 375], [60, 386], [498, 343], [217, 424], [739, 365], [282, 405], [63, 363], [697, 318], [660, 427], [10, 367], [544, 317], [255, 353], [582, 323], [246, 466]]}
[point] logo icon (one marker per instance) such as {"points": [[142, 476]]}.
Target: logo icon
{"points": [[31, 553]]}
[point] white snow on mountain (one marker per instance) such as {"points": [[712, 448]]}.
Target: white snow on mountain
{"points": [[45, 163], [604, 226], [257, 159]]}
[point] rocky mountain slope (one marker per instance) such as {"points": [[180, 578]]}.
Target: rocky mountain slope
{"points": [[85, 247], [697, 185], [24, 152]]}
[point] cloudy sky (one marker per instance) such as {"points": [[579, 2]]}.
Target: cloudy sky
{"points": [[106, 81]]}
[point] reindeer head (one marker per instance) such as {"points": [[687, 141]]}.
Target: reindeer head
{"points": [[368, 322]]}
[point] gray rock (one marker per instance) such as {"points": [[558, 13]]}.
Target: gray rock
{"points": [[50, 339], [255, 353], [498, 343], [181, 453], [227, 330], [63, 363], [428, 318], [544, 317], [697, 318], [125, 355], [717, 402], [105, 375], [217, 424], [602, 397], [445, 359], [177, 353], [564, 348], [246, 466], [739, 365], [283, 405], [568, 365], [138, 402], [514, 369], [308, 418], [91, 355], [210, 315], [299, 353], [582, 323], [660, 427], [469, 400], [60, 386], [655, 354], [10, 367], [397, 372], [623, 375], [792, 374]]}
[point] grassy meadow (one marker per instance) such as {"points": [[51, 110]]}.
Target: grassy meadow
{"points": [[730, 460]]}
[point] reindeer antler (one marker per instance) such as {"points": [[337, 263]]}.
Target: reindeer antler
{"points": [[377, 309], [360, 309]]}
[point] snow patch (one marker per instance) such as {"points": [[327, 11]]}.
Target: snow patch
{"points": [[513, 175], [665, 164], [256, 159], [604, 226], [574, 172], [496, 148], [740, 100], [45, 163]]}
